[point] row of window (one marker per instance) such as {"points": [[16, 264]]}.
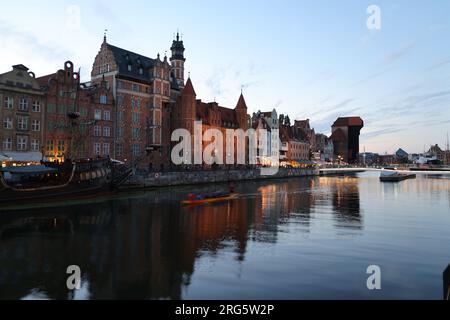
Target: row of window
{"points": [[63, 110], [102, 115], [22, 123], [102, 149], [135, 149], [22, 144], [23, 104], [98, 131], [136, 103], [51, 146]]}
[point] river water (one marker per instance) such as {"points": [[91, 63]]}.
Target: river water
{"points": [[301, 238]]}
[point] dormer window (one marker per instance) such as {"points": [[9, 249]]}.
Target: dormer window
{"points": [[129, 68], [141, 71]]}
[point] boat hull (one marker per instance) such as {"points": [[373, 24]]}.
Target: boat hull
{"points": [[87, 178], [397, 178], [208, 201]]}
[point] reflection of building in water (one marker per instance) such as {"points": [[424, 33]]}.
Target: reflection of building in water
{"points": [[277, 205], [136, 248], [345, 199], [133, 250]]}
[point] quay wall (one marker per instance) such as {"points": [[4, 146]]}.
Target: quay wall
{"points": [[165, 179]]}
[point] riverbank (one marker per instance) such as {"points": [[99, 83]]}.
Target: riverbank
{"points": [[167, 179]]}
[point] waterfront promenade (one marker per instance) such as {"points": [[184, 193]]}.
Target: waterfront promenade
{"points": [[165, 179]]}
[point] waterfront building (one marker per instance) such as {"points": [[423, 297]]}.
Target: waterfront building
{"points": [[79, 117], [294, 148], [345, 136], [145, 90], [437, 152], [22, 115], [325, 146], [402, 154], [188, 110], [303, 127], [269, 122]]}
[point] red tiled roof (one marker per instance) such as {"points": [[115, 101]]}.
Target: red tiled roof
{"points": [[241, 103], [189, 89], [286, 133], [349, 122], [228, 116], [43, 81], [302, 124]]}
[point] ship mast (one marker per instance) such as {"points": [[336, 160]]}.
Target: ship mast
{"points": [[74, 116]]}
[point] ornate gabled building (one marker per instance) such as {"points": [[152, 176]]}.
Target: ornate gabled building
{"points": [[145, 90], [153, 100], [79, 117], [303, 128]]}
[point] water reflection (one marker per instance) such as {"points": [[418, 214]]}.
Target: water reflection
{"points": [[146, 246]]}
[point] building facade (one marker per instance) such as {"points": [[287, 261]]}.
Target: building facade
{"points": [[145, 91], [324, 145], [345, 136], [22, 116], [189, 111], [79, 117]]}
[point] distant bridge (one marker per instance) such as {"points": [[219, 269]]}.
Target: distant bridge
{"points": [[335, 171]]}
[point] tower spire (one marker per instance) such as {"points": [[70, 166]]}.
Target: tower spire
{"points": [[104, 35], [178, 60]]}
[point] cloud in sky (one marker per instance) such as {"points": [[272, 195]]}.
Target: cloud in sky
{"points": [[321, 63], [398, 53]]}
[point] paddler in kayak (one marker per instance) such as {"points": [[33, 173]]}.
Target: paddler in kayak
{"points": [[210, 197]]}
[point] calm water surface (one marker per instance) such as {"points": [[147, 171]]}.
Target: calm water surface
{"points": [[306, 238]]}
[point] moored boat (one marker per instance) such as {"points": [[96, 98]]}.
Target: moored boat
{"points": [[53, 180], [394, 176]]}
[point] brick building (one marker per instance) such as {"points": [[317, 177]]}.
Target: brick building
{"points": [[303, 128], [152, 100], [22, 116], [294, 146], [345, 136], [145, 90], [188, 109], [79, 117]]}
